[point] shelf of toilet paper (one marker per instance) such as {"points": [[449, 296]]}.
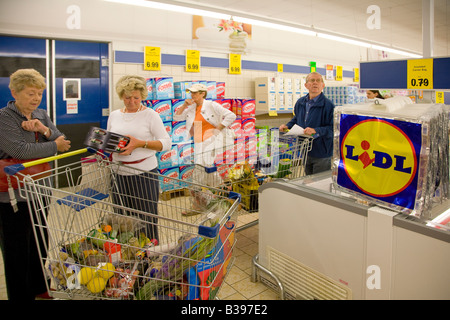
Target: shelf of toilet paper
{"points": [[341, 95], [162, 88], [172, 162], [278, 94], [393, 153]]}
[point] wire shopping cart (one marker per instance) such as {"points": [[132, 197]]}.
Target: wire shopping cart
{"points": [[104, 243], [242, 169]]}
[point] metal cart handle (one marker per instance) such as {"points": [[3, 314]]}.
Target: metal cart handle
{"points": [[13, 169]]}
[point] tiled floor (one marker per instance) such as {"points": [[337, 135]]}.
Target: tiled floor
{"points": [[238, 285]]}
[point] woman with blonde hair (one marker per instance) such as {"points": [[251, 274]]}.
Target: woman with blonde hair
{"points": [[135, 189]]}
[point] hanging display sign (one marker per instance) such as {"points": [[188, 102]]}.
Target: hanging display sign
{"points": [[420, 74], [355, 74], [339, 73], [192, 61], [152, 58], [379, 158], [234, 65], [439, 96], [329, 72], [312, 65]]}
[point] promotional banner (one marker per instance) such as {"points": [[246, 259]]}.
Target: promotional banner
{"points": [[380, 158], [393, 157]]}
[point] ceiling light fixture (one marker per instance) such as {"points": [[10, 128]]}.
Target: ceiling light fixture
{"points": [[218, 13]]}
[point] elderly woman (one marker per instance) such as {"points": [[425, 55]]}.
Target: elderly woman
{"points": [[138, 189], [27, 133], [207, 122]]}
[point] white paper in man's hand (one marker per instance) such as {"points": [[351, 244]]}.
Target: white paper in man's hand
{"points": [[296, 130]]}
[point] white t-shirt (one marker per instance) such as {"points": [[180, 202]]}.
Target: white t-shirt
{"points": [[143, 125]]}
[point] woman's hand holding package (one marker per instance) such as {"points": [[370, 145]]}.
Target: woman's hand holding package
{"points": [[62, 144]]}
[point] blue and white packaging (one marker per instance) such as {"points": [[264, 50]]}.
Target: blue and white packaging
{"points": [[163, 108], [163, 88], [180, 88], [165, 181], [179, 132], [186, 173], [150, 83], [168, 158], [185, 153], [211, 86]]}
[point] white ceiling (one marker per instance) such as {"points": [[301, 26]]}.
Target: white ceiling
{"points": [[401, 20]]}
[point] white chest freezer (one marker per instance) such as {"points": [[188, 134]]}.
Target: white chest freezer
{"points": [[323, 244]]}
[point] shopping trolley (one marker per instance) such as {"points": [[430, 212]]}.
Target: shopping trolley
{"points": [[274, 156], [107, 244]]}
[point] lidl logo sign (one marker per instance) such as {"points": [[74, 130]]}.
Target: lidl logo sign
{"points": [[380, 158]]}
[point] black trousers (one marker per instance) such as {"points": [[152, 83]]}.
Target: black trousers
{"points": [[23, 272], [139, 192]]}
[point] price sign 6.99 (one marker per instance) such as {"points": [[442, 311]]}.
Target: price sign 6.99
{"points": [[152, 58], [192, 61], [234, 64], [420, 74]]}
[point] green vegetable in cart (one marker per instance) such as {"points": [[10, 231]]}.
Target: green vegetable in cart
{"points": [[97, 238], [124, 237]]}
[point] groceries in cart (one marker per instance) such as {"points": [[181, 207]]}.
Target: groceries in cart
{"points": [[132, 266], [99, 249], [108, 141]]}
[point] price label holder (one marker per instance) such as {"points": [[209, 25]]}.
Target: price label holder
{"points": [[355, 74], [339, 73], [440, 97], [192, 61], [152, 58], [234, 64], [420, 74]]}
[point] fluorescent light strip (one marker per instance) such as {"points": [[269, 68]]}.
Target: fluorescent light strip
{"points": [[344, 40], [173, 8], [276, 26]]}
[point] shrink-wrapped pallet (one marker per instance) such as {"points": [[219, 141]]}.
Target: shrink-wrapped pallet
{"points": [[393, 153]]}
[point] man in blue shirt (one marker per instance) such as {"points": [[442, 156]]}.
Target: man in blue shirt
{"points": [[314, 112]]}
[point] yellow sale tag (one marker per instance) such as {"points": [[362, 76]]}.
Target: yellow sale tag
{"points": [[152, 58], [355, 74], [338, 73], [439, 96], [420, 74], [272, 113], [234, 65], [280, 67], [192, 61]]}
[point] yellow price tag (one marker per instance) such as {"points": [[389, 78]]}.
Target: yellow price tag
{"points": [[272, 113], [355, 74], [234, 64], [192, 61], [339, 73], [420, 74], [439, 96], [280, 67], [152, 58]]}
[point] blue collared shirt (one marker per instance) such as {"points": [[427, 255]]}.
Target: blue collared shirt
{"points": [[309, 104]]}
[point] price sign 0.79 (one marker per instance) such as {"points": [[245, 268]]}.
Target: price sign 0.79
{"points": [[234, 64], [192, 61], [420, 74]]}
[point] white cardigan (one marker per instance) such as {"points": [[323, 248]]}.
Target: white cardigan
{"points": [[213, 112]]}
